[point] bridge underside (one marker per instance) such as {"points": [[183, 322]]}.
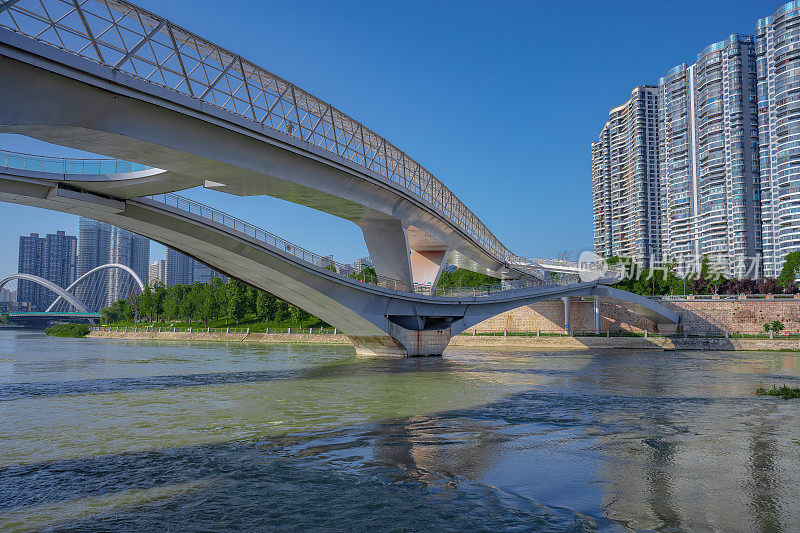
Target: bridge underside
{"points": [[380, 321], [107, 112]]}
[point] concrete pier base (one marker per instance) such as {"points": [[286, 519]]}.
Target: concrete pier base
{"points": [[404, 343]]}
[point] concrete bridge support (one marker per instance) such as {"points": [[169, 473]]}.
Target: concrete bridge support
{"points": [[404, 343], [567, 326], [597, 316]]}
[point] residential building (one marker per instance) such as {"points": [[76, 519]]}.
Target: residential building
{"points": [[53, 258], [625, 180], [180, 268], [158, 272], [31, 261], [60, 259], [94, 250], [130, 249], [709, 172], [361, 264], [601, 194], [778, 72], [204, 274]]}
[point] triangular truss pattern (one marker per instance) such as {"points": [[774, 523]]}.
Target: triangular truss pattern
{"points": [[122, 36]]}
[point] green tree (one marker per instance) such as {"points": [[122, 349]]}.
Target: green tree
{"points": [[790, 270], [266, 306], [299, 316], [146, 302], [367, 274], [172, 301], [466, 278], [159, 299], [207, 303], [189, 303], [237, 300]]}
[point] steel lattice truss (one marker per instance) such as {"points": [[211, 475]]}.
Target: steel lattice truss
{"points": [[127, 38]]}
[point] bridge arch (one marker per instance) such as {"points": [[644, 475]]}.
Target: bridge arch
{"points": [[119, 266], [77, 304]]}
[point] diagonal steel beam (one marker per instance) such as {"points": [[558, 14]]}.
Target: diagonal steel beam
{"points": [[7, 5], [216, 80], [89, 31], [314, 129], [278, 99], [247, 90], [139, 45], [180, 59]]}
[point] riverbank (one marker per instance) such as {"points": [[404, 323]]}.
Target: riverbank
{"points": [[482, 341]]}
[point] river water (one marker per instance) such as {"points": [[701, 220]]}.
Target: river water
{"points": [[109, 435]]}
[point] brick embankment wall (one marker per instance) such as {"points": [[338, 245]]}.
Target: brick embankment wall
{"points": [[696, 316], [627, 343]]}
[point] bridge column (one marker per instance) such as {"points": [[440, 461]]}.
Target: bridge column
{"points": [[426, 266], [404, 343], [388, 248], [566, 315], [597, 316]]}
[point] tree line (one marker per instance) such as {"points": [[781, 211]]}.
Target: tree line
{"points": [[203, 302], [664, 280]]}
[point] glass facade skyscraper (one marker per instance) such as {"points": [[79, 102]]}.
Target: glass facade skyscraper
{"points": [[94, 248], [180, 268], [778, 71], [100, 243], [708, 130], [130, 249], [625, 180]]}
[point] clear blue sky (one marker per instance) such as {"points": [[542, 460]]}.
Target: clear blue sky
{"points": [[500, 100]]}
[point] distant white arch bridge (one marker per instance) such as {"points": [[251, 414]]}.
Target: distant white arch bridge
{"points": [[108, 266], [77, 304], [66, 295]]}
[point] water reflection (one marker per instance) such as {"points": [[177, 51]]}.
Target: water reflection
{"points": [[305, 437]]}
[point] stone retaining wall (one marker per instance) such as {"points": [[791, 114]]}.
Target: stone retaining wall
{"points": [[468, 341], [696, 316]]}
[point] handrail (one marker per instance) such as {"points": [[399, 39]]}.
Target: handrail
{"points": [[157, 51], [61, 165], [180, 203]]}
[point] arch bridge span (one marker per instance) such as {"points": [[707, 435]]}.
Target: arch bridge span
{"points": [[47, 284], [108, 266], [386, 317]]}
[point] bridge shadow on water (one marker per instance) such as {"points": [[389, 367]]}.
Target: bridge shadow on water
{"points": [[348, 367], [421, 472], [413, 473]]}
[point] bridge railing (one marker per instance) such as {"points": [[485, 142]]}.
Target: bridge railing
{"points": [[259, 234], [60, 165], [205, 212], [146, 46]]}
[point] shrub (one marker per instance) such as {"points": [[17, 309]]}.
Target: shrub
{"points": [[68, 330], [787, 393]]}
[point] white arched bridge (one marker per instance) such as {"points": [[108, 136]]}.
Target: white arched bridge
{"points": [[110, 78], [67, 294]]}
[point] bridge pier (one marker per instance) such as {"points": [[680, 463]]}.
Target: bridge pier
{"points": [[597, 316], [404, 343]]}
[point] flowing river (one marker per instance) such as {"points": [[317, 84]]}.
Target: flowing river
{"points": [[113, 435]]}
